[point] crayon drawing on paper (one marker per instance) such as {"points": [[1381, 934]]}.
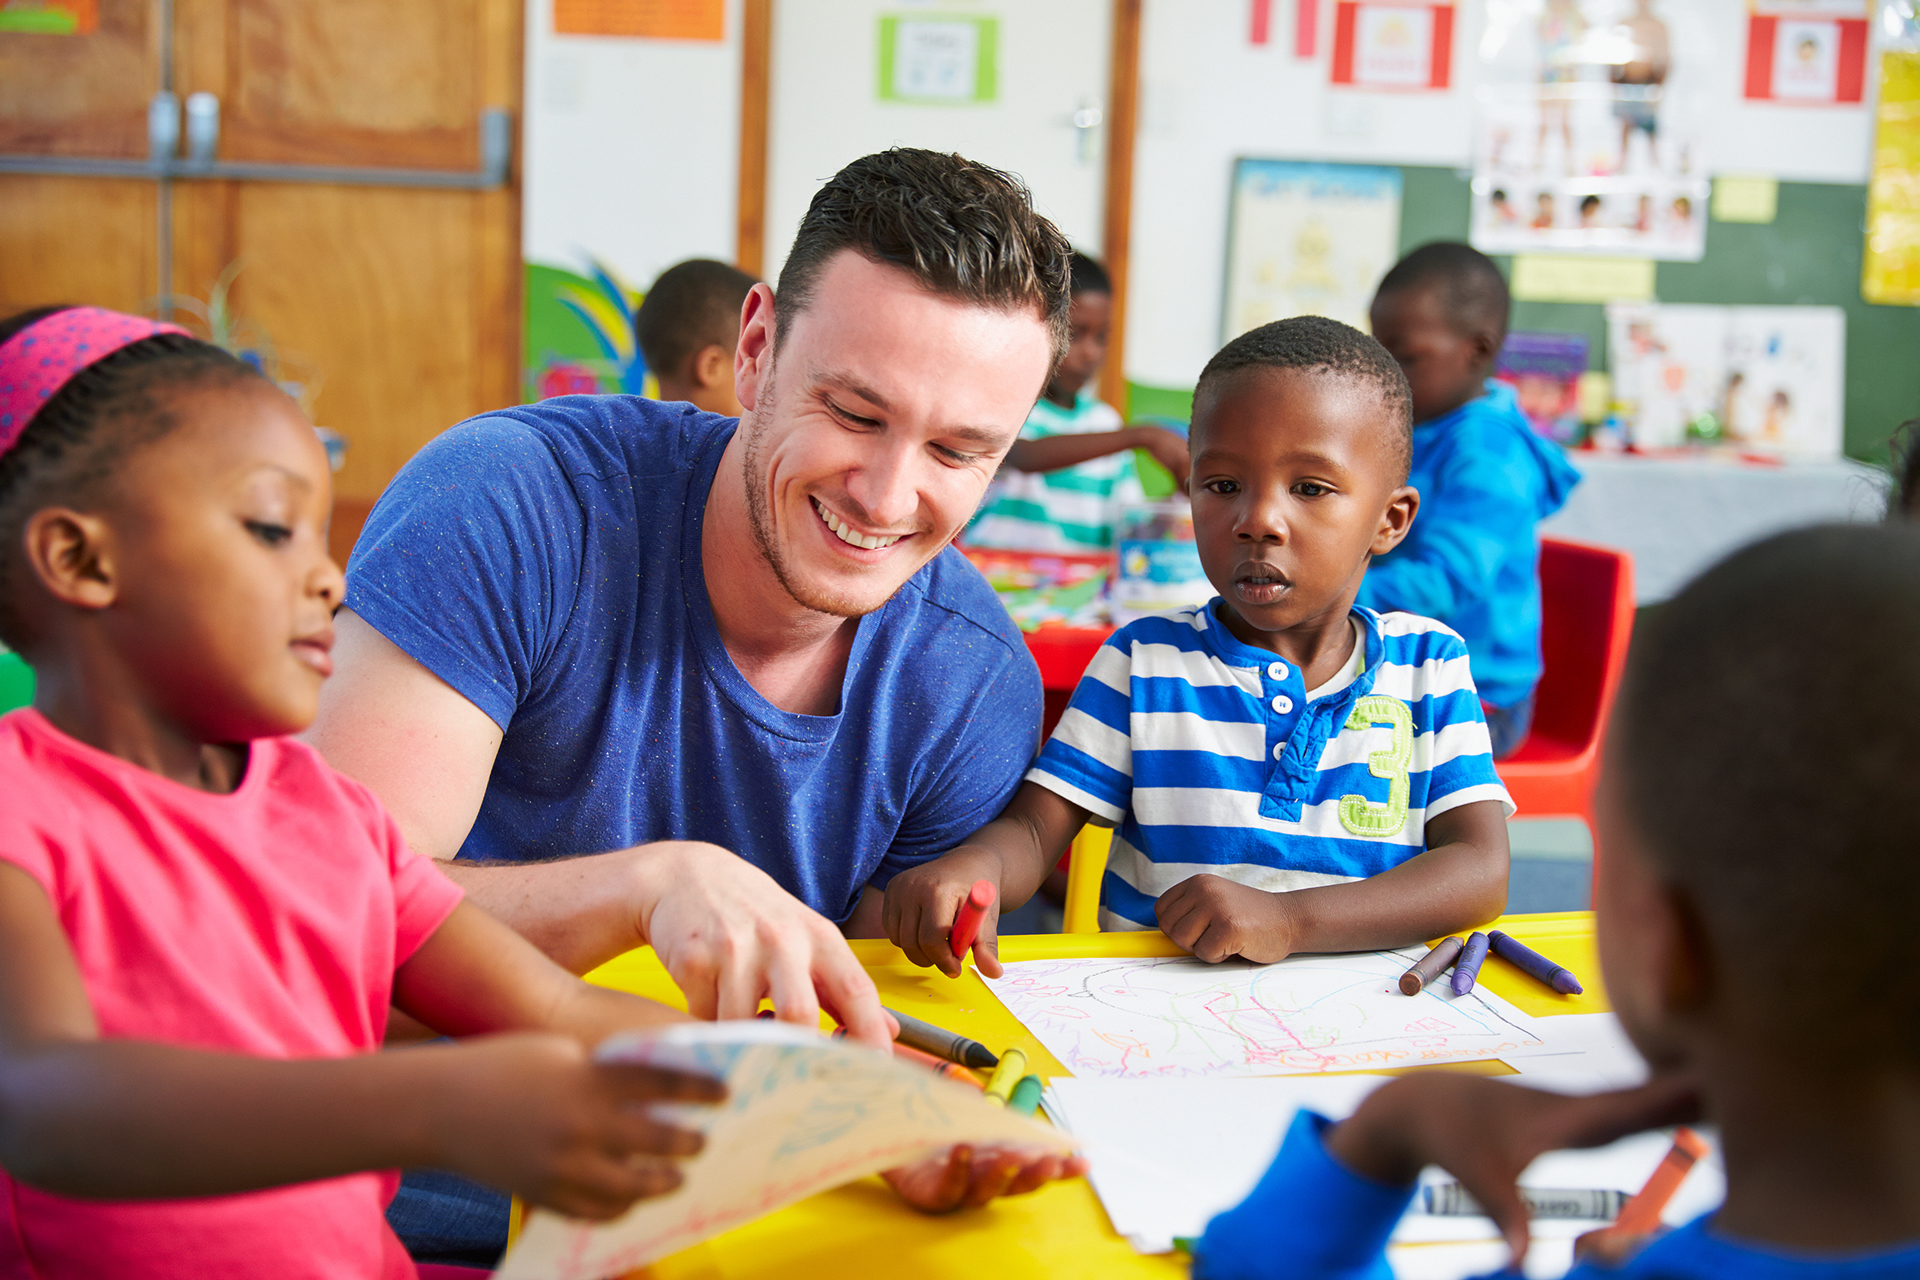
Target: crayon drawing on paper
{"points": [[1182, 1017]]}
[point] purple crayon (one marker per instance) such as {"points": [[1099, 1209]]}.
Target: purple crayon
{"points": [[1535, 965], [1466, 970]]}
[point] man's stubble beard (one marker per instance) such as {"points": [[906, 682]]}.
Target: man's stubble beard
{"points": [[760, 519]]}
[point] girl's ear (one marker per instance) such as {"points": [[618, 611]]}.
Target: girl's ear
{"points": [[71, 555]]}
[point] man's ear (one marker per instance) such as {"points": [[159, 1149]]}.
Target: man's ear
{"points": [[753, 354], [71, 555], [1402, 505], [711, 366]]}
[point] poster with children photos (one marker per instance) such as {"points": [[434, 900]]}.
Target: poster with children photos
{"points": [[1587, 129], [1764, 380]]}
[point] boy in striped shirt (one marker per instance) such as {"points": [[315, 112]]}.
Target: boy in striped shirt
{"points": [[1287, 771]]}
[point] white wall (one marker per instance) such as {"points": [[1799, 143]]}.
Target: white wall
{"points": [[631, 148], [1208, 97], [631, 145]]}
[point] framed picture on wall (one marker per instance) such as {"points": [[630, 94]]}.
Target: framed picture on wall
{"points": [[1307, 239]]}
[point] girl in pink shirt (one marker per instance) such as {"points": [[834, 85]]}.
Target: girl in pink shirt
{"points": [[202, 926]]}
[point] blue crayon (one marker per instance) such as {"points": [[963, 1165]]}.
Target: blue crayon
{"points": [[1535, 965], [1466, 970]]}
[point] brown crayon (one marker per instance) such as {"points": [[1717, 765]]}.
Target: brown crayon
{"points": [[1431, 966]]}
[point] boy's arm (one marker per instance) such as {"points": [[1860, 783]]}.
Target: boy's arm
{"points": [[1015, 852], [1460, 880], [1051, 453], [128, 1119]]}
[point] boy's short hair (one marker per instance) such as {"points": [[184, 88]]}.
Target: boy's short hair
{"points": [[958, 228], [692, 306], [1766, 744], [1315, 342], [1087, 275], [1471, 285]]}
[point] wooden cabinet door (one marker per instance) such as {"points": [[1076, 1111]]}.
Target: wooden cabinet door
{"points": [[400, 306]]}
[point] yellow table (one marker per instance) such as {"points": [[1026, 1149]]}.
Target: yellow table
{"points": [[862, 1230]]}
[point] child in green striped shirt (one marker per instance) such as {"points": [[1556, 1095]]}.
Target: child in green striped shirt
{"points": [[1073, 462]]}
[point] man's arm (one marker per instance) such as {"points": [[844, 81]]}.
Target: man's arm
{"points": [[726, 931]]}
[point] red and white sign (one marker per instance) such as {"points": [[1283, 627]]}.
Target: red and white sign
{"points": [[1806, 59], [1392, 46]]}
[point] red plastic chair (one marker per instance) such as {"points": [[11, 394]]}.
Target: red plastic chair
{"points": [[1586, 606]]}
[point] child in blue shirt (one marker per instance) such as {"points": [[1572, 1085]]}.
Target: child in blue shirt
{"points": [[1287, 772], [1485, 478], [1755, 913]]}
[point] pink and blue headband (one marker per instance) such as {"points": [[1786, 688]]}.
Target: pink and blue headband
{"points": [[37, 361]]}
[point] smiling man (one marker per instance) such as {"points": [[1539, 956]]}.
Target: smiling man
{"points": [[640, 673]]}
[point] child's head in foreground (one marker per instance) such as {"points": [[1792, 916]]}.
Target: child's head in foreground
{"points": [[1759, 873], [163, 527], [1442, 312], [1090, 321], [687, 328], [1302, 438]]}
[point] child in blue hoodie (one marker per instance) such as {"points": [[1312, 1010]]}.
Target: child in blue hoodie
{"points": [[1754, 914], [1485, 479]]}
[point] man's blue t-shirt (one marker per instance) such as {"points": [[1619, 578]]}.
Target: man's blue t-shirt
{"points": [[1472, 557], [545, 562]]}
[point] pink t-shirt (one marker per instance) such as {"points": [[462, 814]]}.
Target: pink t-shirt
{"points": [[266, 922]]}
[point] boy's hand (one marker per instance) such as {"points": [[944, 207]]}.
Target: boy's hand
{"points": [[1217, 919], [532, 1114], [967, 1177], [921, 903], [1168, 448], [1485, 1133]]}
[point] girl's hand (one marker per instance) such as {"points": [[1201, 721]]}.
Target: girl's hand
{"points": [[967, 1177], [532, 1114], [1485, 1133]]}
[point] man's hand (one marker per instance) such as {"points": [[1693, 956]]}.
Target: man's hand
{"points": [[967, 1177], [1485, 1133], [922, 902], [1168, 448], [1216, 919], [530, 1113], [731, 936]]}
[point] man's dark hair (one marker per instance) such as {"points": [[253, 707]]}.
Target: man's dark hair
{"points": [[958, 228], [1088, 275], [693, 305], [1766, 744], [86, 429], [1317, 343], [1471, 286]]}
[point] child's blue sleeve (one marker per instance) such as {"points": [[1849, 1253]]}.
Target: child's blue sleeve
{"points": [[1089, 759], [1484, 501], [1309, 1218]]}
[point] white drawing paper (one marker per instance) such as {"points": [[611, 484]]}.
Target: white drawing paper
{"points": [[1182, 1017], [803, 1114]]}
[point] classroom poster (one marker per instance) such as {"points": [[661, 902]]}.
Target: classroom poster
{"points": [[1763, 380], [1807, 52], [1890, 270], [1588, 129], [50, 17], [656, 19], [938, 58], [1392, 46], [1307, 239]]}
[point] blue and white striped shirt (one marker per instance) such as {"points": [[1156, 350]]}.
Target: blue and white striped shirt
{"points": [[1211, 756]]}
